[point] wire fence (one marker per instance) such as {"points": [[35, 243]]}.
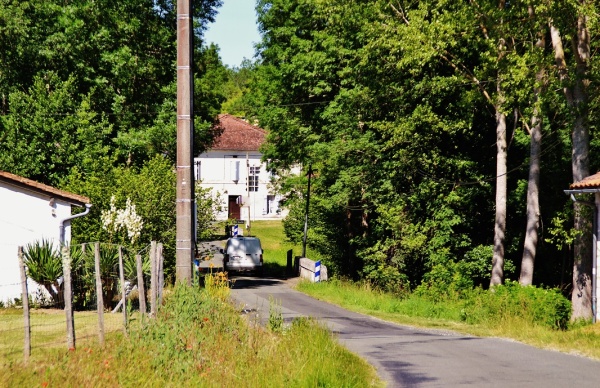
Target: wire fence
{"points": [[103, 289]]}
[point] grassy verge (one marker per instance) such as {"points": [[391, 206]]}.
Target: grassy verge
{"points": [[200, 340], [420, 312], [48, 330]]}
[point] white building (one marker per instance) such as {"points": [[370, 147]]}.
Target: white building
{"points": [[30, 211], [233, 170]]}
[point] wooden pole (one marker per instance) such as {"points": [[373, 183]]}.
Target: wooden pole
{"points": [[68, 296], [153, 280], [141, 289], [160, 272], [25, 299], [123, 293], [99, 299], [185, 238]]}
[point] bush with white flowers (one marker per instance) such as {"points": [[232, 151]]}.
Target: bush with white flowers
{"points": [[115, 219]]}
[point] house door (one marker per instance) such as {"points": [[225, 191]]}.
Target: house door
{"points": [[234, 207]]}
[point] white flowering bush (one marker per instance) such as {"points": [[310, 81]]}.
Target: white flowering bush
{"points": [[127, 219]]}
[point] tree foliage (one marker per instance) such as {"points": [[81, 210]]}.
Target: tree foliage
{"points": [[395, 106], [85, 80], [88, 104]]}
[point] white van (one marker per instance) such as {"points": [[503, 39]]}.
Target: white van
{"points": [[243, 254]]}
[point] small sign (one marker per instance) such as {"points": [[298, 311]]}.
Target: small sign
{"points": [[235, 230], [318, 271]]}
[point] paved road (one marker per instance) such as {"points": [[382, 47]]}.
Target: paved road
{"points": [[410, 357]]}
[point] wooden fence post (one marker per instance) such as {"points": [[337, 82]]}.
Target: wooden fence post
{"points": [[123, 293], [25, 299], [289, 271], [141, 289], [99, 299], [68, 296], [160, 272], [153, 280]]}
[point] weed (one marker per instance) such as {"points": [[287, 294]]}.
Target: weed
{"points": [[275, 316], [217, 285]]}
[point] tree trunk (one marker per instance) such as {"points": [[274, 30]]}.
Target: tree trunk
{"points": [[501, 187], [533, 192], [533, 204], [577, 98], [497, 276]]}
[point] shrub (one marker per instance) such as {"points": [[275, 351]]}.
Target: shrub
{"points": [[44, 266], [445, 282], [546, 307]]}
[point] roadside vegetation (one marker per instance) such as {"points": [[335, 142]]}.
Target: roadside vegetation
{"points": [[527, 314], [533, 315], [198, 339]]}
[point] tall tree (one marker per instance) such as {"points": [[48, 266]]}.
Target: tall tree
{"points": [[404, 111], [386, 124], [576, 83], [535, 134], [115, 59]]}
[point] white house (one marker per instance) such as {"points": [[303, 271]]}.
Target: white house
{"points": [[30, 211], [233, 169]]}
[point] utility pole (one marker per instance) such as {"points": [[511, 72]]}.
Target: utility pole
{"points": [[310, 171], [185, 243]]}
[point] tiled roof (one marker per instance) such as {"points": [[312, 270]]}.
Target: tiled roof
{"points": [[592, 181], [238, 135], [39, 187]]}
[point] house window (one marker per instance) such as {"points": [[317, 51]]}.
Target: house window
{"points": [[197, 163], [253, 178]]}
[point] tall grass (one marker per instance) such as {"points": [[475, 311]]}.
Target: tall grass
{"points": [[198, 339]]}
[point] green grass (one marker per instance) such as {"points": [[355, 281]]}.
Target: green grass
{"points": [[48, 331], [273, 241], [200, 340]]}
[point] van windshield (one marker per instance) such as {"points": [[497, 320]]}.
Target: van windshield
{"points": [[236, 244], [253, 246]]}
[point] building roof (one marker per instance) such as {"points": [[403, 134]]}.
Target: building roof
{"points": [[16, 180], [592, 181], [238, 135]]}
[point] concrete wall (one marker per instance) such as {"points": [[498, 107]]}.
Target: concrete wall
{"points": [[25, 216], [307, 270]]}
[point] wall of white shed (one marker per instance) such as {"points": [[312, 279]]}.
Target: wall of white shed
{"points": [[25, 216]]}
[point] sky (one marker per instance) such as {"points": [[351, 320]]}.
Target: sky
{"points": [[234, 31]]}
